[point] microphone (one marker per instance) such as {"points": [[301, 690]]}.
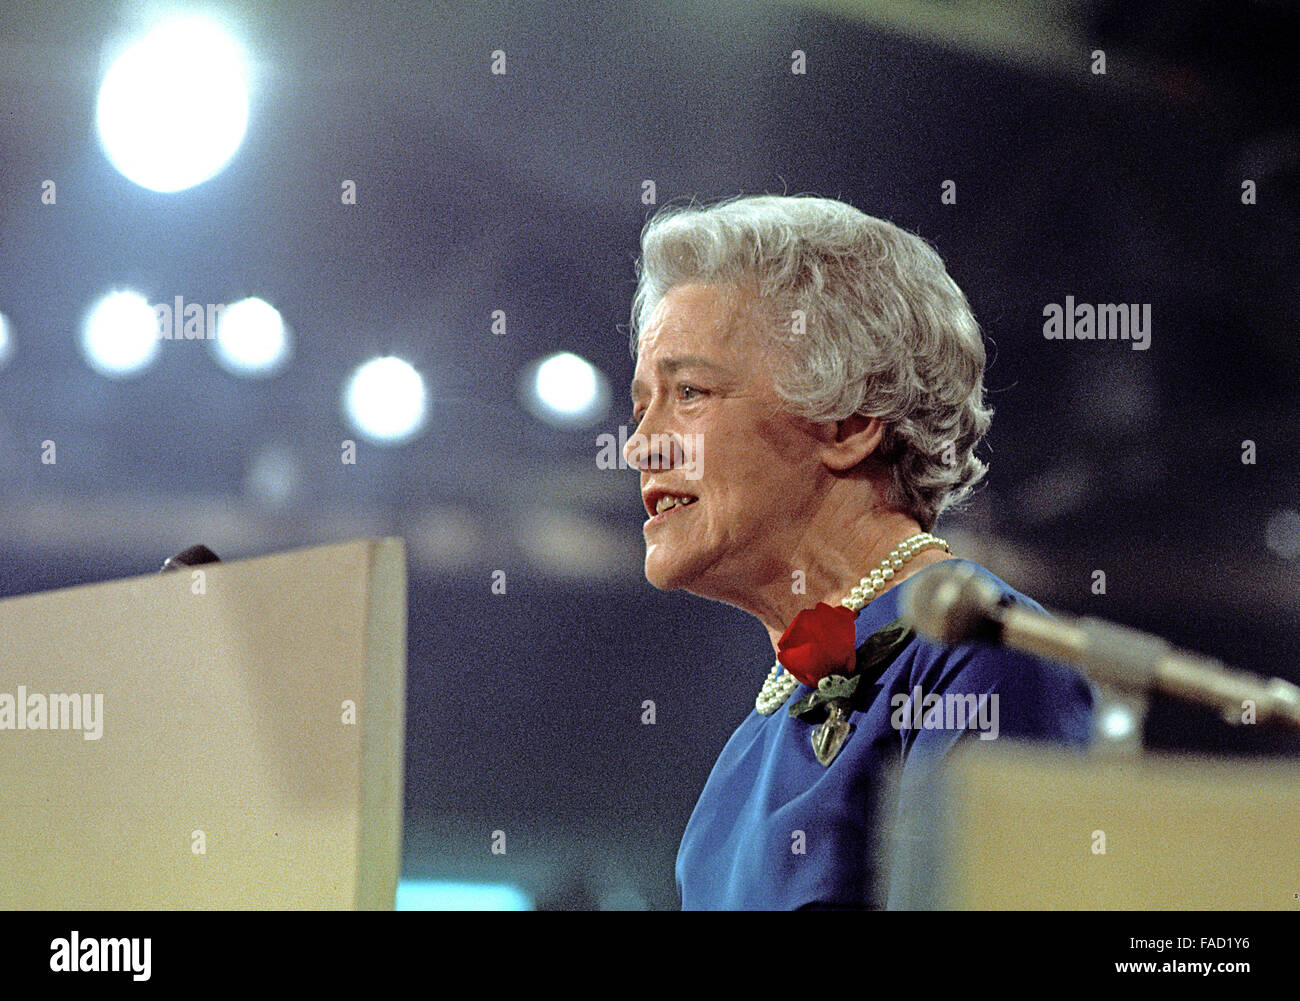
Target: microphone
{"points": [[955, 604], [192, 557]]}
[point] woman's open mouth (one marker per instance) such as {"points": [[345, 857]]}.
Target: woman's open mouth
{"points": [[669, 505]]}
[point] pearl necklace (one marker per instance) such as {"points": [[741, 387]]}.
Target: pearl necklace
{"points": [[778, 686]]}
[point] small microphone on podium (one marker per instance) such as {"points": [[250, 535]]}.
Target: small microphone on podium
{"points": [[192, 557], [955, 604]]}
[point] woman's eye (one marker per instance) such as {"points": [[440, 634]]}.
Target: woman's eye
{"points": [[686, 392]]}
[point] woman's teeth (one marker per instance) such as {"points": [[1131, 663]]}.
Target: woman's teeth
{"points": [[666, 502]]}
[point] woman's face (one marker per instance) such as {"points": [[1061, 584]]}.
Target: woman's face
{"points": [[712, 428]]}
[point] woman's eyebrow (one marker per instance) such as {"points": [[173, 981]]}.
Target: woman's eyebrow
{"points": [[671, 365], [667, 366]]}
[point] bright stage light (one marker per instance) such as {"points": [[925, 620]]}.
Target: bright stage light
{"points": [[566, 390], [173, 107], [119, 336], [251, 338], [384, 400]]}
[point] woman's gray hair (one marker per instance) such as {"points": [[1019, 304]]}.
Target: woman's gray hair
{"points": [[874, 322]]}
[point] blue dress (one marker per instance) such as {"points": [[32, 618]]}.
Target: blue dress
{"points": [[776, 830]]}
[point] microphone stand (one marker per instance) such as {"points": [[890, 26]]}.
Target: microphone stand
{"points": [[956, 605], [1126, 665]]}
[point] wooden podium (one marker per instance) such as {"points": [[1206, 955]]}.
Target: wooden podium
{"points": [[1028, 828], [250, 736]]}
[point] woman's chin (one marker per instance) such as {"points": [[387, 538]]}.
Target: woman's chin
{"points": [[660, 577], [667, 573]]}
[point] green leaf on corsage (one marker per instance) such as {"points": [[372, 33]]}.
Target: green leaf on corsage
{"points": [[882, 647], [814, 706]]}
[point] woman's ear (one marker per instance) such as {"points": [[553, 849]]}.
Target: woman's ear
{"points": [[855, 438]]}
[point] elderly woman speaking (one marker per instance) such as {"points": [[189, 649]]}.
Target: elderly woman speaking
{"points": [[808, 397]]}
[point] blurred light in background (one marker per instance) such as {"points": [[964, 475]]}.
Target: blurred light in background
{"points": [[252, 339], [384, 400], [119, 335], [575, 546], [445, 538], [273, 477], [427, 895], [6, 341], [1118, 722], [1283, 533], [566, 390], [173, 106]]}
